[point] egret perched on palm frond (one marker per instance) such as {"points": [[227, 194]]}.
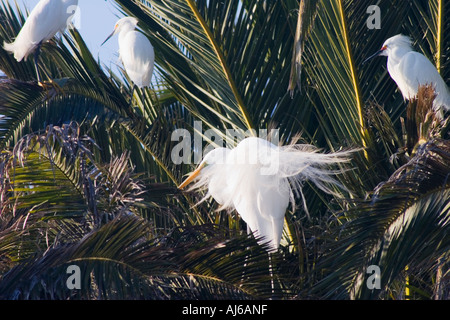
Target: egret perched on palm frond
{"points": [[411, 69], [135, 51], [259, 179], [46, 19]]}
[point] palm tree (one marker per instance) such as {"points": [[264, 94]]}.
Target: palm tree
{"points": [[88, 179]]}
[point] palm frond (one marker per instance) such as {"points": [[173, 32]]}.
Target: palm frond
{"points": [[55, 174], [87, 178], [121, 261], [306, 15], [414, 201]]}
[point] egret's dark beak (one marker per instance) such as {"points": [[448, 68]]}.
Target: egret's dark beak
{"points": [[109, 37], [376, 54]]}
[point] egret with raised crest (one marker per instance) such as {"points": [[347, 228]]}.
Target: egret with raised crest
{"points": [[259, 179]]}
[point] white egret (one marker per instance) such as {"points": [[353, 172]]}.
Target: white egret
{"points": [[135, 51], [46, 19], [411, 69], [259, 179]]}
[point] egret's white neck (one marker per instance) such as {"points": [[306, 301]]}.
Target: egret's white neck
{"points": [[397, 53], [124, 30]]}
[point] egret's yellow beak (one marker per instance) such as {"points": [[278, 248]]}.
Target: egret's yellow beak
{"points": [[191, 177]]}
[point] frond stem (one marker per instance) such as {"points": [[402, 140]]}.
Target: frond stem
{"points": [[439, 35], [352, 71], [223, 63]]}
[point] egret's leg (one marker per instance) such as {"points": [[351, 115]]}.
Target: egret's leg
{"points": [[36, 61], [37, 53], [272, 283], [51, 87], [132, 94]]}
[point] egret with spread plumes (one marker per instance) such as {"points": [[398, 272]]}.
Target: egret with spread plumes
{"points": [[259, 179], [411, 69], [46, 19], [135, 51]]}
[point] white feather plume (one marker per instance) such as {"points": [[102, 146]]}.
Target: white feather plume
{"points": [[259, 179]]}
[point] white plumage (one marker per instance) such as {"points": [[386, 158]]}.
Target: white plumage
{"points": [[135, 51], [259, 179], [410, 69], [46, 19]]}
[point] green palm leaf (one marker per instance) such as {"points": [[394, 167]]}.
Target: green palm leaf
{"points": [[67, 198], [404, 224], [119, 261]]}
